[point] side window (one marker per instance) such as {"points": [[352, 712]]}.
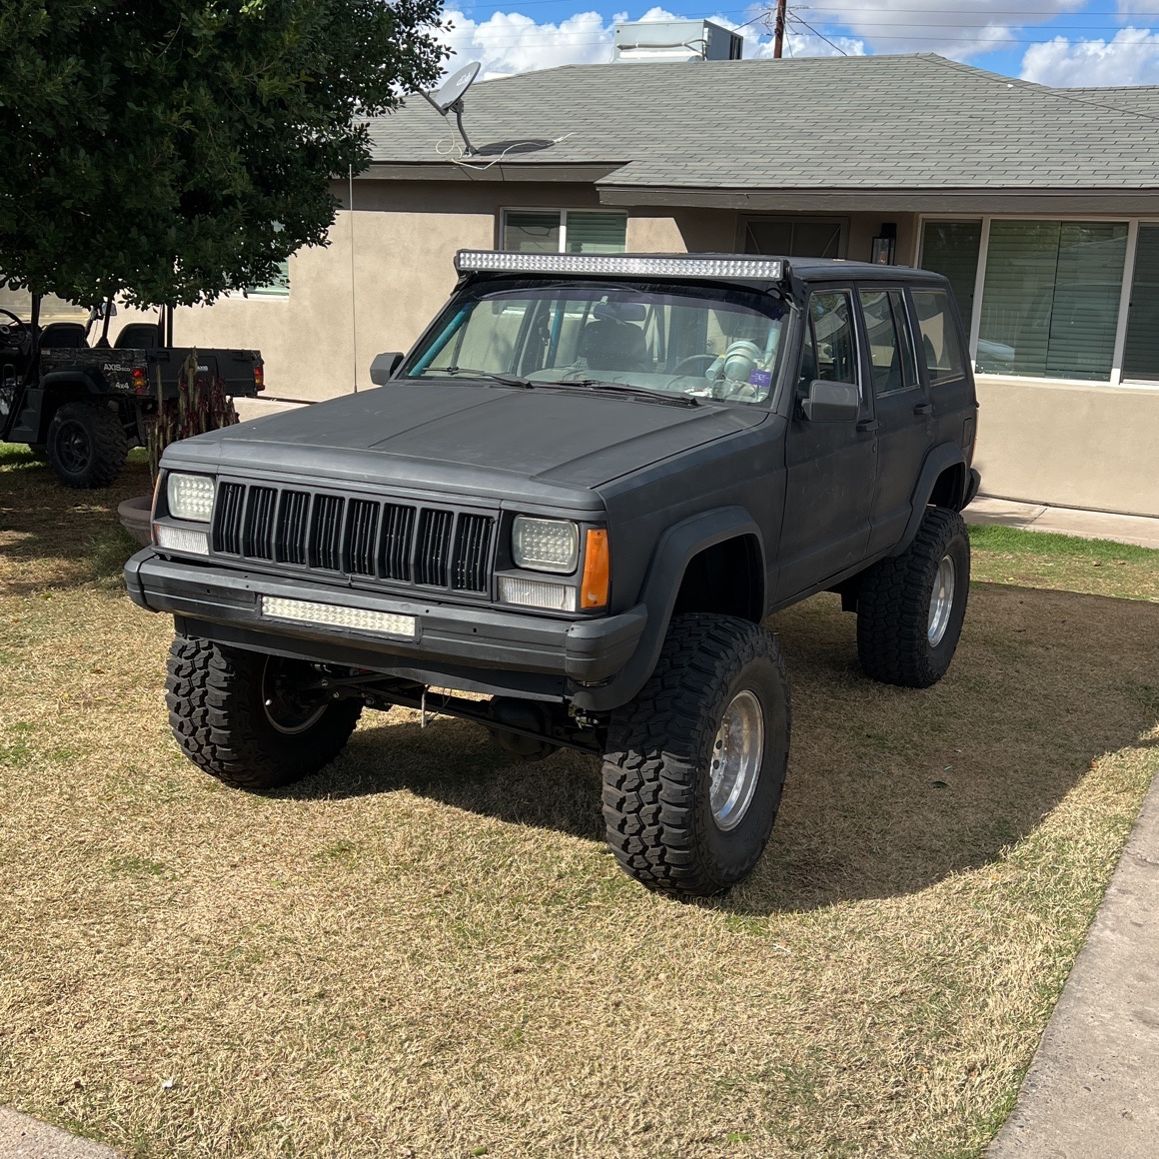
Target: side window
{"points": [[941, 347], [890, 348], [834, 339]]}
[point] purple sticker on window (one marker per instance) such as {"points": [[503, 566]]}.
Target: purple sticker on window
{"points": [[762, 378]]}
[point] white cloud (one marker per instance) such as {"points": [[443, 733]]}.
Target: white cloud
{"points": [[509, 42], [1131, 57]]}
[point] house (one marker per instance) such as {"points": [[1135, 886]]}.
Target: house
{"points": [[1040, 205]]}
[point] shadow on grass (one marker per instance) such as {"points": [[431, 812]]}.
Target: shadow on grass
{"points": [[55, 536], [889, 790]]}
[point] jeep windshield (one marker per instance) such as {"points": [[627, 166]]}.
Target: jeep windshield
{"points": [[695, 342]]}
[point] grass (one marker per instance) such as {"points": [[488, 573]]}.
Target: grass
{"points": [[425, 950]]}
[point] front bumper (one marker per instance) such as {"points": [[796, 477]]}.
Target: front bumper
{"points": [[472, 648]]}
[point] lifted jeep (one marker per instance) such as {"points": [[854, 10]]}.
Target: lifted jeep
{"points": [[580, 494]]}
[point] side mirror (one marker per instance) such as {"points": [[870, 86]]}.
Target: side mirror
{"points": [[831, 402], [383, 367]]}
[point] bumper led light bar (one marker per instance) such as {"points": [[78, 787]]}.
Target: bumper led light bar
{"points": [[336, 616], [662, 265]]}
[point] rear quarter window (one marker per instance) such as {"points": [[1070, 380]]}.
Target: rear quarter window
{"points": [[940, 344]]}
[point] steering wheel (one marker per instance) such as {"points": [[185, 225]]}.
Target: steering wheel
{"points": [[17, 320], [706, 359]]}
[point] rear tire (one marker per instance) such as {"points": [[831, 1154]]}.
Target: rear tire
{"points": [[696, 763], [87, 445], [910, 608], [235, 715]]}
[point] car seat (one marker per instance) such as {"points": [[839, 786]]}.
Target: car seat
{"points": [[608, 344], [62, 336], [138, 336]]}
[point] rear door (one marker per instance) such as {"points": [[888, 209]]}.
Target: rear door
{"points": [[829, 466], [903, 417]]}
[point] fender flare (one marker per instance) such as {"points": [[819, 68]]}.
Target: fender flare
{"points": [[675, 550], [942, 457]]}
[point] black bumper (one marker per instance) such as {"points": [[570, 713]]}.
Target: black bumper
{"points": [[474, 648]]}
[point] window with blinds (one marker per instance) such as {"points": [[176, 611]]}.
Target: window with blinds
{"points": [[1141, 354], [1050, 301], [950, 248], [572, 231]]}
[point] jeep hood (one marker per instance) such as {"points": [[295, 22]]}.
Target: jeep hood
{"points": [[545, 444]]}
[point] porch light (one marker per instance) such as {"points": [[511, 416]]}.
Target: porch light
{"points": [[661, 266]]}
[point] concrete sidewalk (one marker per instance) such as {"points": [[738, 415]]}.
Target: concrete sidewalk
{"points": [[1092, 1090], [1140, 530], [22, 1137]]}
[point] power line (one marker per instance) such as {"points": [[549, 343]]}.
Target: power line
{"points": [[798, 20]]}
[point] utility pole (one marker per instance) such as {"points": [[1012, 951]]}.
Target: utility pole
{"points": [[779, 28]]}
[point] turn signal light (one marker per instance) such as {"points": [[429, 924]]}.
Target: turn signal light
{"points": [[140, 380], [597, 570]]}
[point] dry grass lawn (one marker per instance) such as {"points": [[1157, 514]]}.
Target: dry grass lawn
{"points": [[425, 951]]}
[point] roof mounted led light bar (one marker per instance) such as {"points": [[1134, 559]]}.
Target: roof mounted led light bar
{"points": [[659, 266]]}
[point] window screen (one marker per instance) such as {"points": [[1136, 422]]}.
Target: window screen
{"points": [[941, 347], [1051, 299], [1141, 356], [951, 248], [528, 232], [596, 233]]}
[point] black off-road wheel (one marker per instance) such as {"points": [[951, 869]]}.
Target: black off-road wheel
{"points": [[243, 717], [696, 763], [910, 608], [87, 445]]}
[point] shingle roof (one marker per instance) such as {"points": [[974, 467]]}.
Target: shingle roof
{"points": [[1133, 98], [884, 122]]}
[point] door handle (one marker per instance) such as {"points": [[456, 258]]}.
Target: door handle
{"points": [[924, 408], [867, 425]]}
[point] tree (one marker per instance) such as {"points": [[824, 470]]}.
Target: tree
{"points": [[171, 150]]}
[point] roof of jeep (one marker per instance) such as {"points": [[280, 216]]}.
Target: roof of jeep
{"points": [[804, 268], [832, 269]]}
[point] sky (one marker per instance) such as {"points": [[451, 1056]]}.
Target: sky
{"points": [[1051, 42]]}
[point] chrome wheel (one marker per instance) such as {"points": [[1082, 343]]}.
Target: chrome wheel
{"points": [[941, 601], [286, 709], [737, 754]]}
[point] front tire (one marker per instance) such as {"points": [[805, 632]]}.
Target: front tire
{"points": [[696, 763], [910, 608], [87, 445], [236, 715]]}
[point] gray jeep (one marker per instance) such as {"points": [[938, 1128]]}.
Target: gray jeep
{"points": [[581, 494]]}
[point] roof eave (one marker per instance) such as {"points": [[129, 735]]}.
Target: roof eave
{"points": [[979, 199]]}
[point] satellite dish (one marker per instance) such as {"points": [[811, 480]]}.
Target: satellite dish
{"points": [[449, 97], [454, 87]]}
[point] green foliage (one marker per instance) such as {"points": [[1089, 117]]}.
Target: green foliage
{"points": [[172, 150]]}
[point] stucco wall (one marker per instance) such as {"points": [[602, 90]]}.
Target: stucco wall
{"points": [[1067, 444]]}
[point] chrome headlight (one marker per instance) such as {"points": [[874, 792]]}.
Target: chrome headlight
{"points": [[545, 544], [190, 496]]}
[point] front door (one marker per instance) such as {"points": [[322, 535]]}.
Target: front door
{"points": [[829, 466], [903, 416]]}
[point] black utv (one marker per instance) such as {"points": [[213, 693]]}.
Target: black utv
{"points": [[83, 406], [581, 494]]}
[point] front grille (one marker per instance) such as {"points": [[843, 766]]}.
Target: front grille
{"points": [[352, 536], [431, 550]]}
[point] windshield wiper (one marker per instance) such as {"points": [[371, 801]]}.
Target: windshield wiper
{"points": [[505, 379], [641, 392]]}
